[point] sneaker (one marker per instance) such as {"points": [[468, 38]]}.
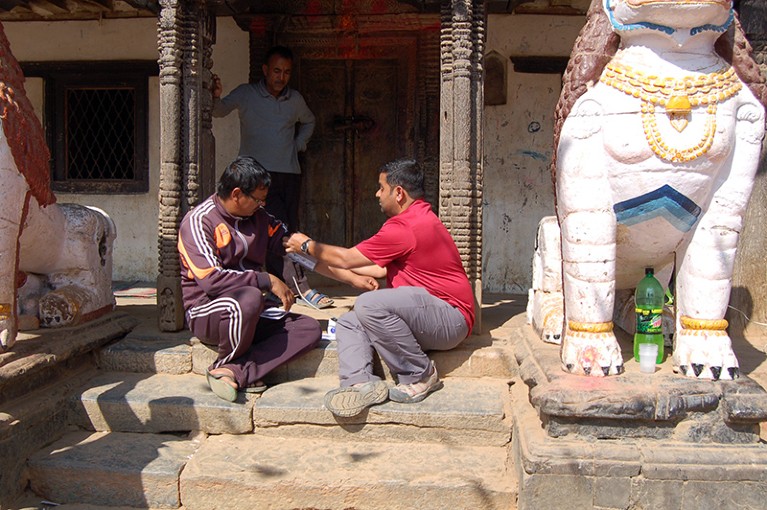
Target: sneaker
{"points": [[415, 392], [352, 400]]}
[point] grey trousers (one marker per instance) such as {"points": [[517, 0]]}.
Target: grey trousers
{"points": [[399, 324]]}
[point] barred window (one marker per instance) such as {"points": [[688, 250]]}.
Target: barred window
{"points": [[96, 124]]}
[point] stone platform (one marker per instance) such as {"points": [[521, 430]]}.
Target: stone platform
{"points": [[663, 405], [509, 430], [635, 440], [126, 420]]}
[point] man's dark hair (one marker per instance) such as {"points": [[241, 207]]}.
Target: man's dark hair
{"points": [[406, 173], [245, 173], [282, 51]]}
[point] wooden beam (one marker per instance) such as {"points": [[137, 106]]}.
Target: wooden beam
{"points": [[8, 5], [108, 5], [152, 6], [49, 6]]}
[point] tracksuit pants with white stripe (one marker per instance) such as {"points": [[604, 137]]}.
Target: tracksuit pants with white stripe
{"points": [[248, 345]]}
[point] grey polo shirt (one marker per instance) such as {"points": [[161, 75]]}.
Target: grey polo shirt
{"points": [[268, 124]]}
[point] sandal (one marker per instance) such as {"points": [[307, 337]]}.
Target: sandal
{"points": [[220, 387], [258, 387], [315, 299]]}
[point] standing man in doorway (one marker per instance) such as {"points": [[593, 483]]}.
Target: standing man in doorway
{"points": [[275, 125]]}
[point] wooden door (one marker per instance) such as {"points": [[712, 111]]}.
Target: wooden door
{"points": [[359, 107]]}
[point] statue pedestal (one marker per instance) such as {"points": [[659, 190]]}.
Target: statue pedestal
{"points": [[635, 440], [663, 405]]}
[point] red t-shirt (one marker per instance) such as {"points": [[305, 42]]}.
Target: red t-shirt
{"points": [[417, 251]]}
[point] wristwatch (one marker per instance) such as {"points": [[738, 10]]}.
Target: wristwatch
{"points": [[305, 246]]}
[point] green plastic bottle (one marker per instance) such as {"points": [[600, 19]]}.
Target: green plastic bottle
{"points": [[649, 297]]}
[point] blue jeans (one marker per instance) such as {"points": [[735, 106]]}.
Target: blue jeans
{"points": [[399, 324]]}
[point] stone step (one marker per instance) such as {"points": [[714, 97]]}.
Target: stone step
{"points": [[465, 411], [145, 351], [112, 469], [43, 355], [130, 402], [157, 355], [31, 422], [264, 473]]}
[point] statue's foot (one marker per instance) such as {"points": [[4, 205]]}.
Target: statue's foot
{"points": [[547, 315], [705, 354], [64, 306], [552, 327], [594, 352], [8, 333]]}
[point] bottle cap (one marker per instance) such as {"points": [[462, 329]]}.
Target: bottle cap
{"points": [[648, 270]]}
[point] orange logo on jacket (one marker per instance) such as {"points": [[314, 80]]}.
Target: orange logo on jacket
{"points": [[222, 235]]}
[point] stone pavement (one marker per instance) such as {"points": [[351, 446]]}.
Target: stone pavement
{"points": [[90, 419]]}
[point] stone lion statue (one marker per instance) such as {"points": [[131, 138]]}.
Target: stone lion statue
{"points": [[660, 126], [55, 260]]}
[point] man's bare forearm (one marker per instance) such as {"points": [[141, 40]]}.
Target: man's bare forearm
{"points": [[334, 256], [347, 276]]}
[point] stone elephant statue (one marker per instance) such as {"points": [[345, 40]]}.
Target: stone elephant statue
{"points": [[55, 259]]}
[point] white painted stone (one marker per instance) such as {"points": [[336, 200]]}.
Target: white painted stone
{"points": [[66, 247], [604, 135], [547, 275]]}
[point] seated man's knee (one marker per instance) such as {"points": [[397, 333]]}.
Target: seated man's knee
{"points": [[367, 305], [314, 329], [348, 321], [310, 329]]}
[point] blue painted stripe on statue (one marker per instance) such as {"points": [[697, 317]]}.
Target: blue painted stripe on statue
{"points": [[617, 25], [665, 202], [715, 28]]}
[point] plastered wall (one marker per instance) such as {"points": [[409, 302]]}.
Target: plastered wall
{"points": [[517, 145], [135, 215], [517, 141]]}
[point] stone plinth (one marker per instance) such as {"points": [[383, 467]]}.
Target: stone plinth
{"points": [[587, 473], [663, 405]]}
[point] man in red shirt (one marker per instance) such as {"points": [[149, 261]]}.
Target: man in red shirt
{"points": [[427, 305]]}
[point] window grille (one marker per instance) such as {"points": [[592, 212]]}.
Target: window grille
{"points": [[99, 136], [96, 124]]}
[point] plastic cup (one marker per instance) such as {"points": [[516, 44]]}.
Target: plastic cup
{"points": [[647, 355]]}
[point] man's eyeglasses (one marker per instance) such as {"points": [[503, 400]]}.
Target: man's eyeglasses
{"points": [[259, 202]]}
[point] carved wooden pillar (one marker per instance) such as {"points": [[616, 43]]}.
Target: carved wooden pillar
{"points": [[207, 155], [185, 34], [462, 47], [428, 100]]}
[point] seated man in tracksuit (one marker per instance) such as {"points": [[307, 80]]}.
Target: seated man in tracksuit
{"points": [[223, 243]]}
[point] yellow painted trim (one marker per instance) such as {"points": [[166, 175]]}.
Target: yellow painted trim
{"points": [[590, 327], [707, 324]]}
